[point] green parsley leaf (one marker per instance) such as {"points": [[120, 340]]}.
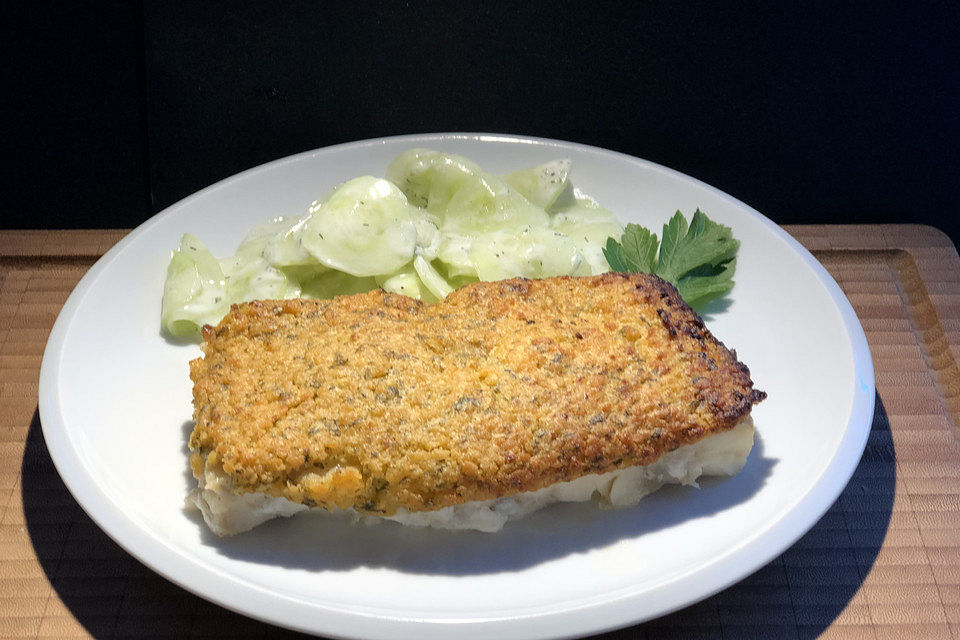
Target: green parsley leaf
{"points": [[684, 249], [636, 251], [699, 259], [706, 283]]}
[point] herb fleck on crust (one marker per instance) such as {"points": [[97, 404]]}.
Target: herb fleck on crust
{"points": [[377, 401]]}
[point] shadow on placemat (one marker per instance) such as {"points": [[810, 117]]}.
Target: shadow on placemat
{"points": [[798, 595], [108, 591]]}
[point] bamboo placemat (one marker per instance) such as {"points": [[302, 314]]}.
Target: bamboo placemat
{"points": [[884, 562]]}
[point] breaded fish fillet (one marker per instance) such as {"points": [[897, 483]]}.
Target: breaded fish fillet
{"points": [[382, 404]]}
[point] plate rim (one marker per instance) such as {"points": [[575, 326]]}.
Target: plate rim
{"points": [[210, 583]]}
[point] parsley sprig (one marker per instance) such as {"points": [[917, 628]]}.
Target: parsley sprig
{"points": [[698, 259]]}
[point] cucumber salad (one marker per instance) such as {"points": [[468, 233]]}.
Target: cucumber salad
{"points": [[435, 223]]}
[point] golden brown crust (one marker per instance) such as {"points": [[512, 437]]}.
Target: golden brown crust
{"points": [[377, 401]]}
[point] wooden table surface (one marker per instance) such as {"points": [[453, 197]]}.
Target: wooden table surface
{"points": [[884, 562]]}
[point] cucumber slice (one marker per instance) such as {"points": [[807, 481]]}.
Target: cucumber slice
{"points": [[489, 204], [365, 227], [454, 253], [195, 291], [588, 225], [303, 273], [335, 283], [251, 277], [543, 184], [428, 178], [261, 235], [533, 252], [466, 199], [285, 247], [406, 282], [428, 237], [431, 278]]}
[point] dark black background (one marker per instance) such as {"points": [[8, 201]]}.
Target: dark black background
{"points": [[810, 112]]}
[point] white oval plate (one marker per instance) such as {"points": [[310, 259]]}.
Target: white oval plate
{"points": [[115, 404]]}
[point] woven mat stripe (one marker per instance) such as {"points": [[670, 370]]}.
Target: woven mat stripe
{"points": [[883, 562]]}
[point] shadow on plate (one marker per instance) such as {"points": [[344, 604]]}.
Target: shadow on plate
{"points": [[179, 341], [797, 595], [800, 593], [713, 309]]}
